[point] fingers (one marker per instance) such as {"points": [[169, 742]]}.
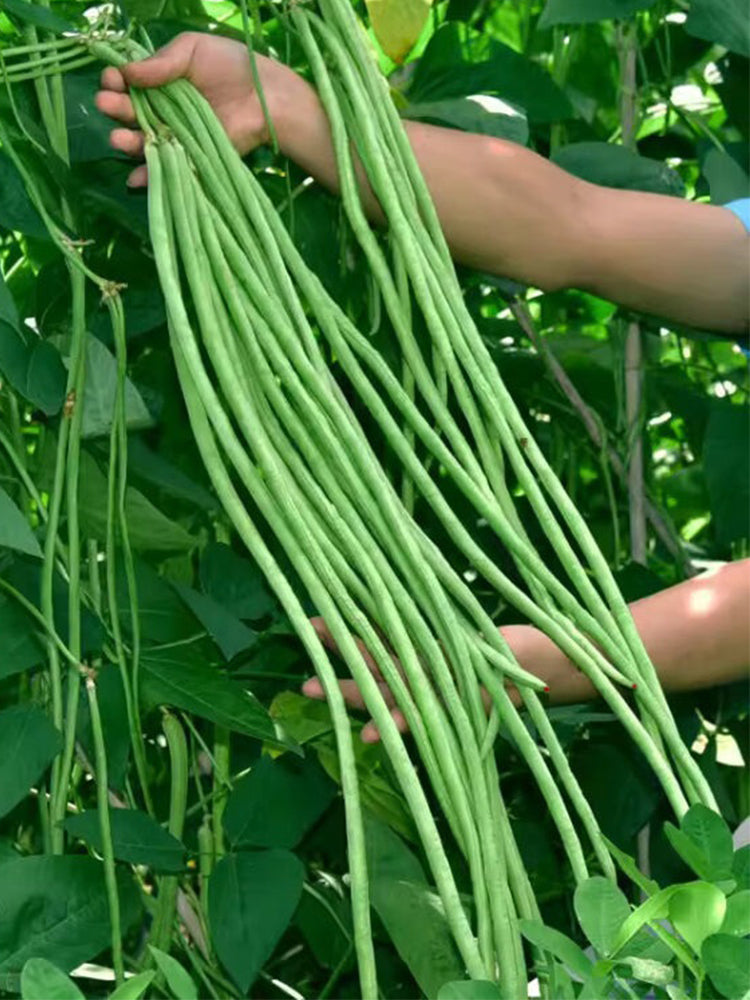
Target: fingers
{"points": [[125, 140], [116, 105], [169, 63], [112, 79], [139, 177], [330, 643], [371, 734], [312, 688]]}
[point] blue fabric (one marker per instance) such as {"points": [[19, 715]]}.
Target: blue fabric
{"points": [[741, 209]]}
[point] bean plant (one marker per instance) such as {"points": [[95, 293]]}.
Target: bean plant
{"points": [[234, 404]]}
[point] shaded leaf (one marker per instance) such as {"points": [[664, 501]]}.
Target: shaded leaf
{"points": [[277, 802], [726, 463], [251, 900], [37, 14], [235, 582], [21, 648], [182, 679], [180, 983], [99, 394], [28, 744], [15, 532], [56, 908], [727, 181], [410, 909], [727, 962], [41, 980], [615, 166], [136, 837], [585, 11], [479, 113], [549, 939], [470, 989], [722, 21], [16, 210], [133, 989], [230, 634]]}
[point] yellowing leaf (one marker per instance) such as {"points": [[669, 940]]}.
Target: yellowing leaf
{"points": [[398, 24]]}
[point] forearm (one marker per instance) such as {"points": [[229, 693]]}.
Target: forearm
{"points": [[696, 633], [507, 210]]}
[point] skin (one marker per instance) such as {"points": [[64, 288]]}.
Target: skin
{"points": [[506, 210]]}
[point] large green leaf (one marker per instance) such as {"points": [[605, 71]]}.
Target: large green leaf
{"points": [[56, 908], [114, 714], [550, 939], [727, 181], [15, 532], [99, 394], [37, 14], [459, 62], [21, 648], [136, 837], [150, 530], [277, 802], [585, 11], [235, 582], [133, 989], [697, 911], [737, 917], [722, 21], [601, 909], [251, 900], [16, 210], [183, 679], [41, 980], [479, 113], [163, 617], [28, 744], [710, 833], [470, 989], [727, 962], [157, 470], [726, 463], [615, 166], [410, 909]]}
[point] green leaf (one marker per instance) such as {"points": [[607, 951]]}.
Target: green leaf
{"points": [[230, 634], [548, 939], [28, 744], [726, 463], [482, 114], [737, 917], [99, 394], [155, 469], [460, 62], [15, 532], [720, 21], [727, 962], [56, 908], [615, 166], [180, 984], [741, 867], [688, 850], [114, 713], [41, 980], [697, 911], [150, 530], [601, 909], [134, 988], [137, 838], [251, 900], [630, 868], [277, 802], [37, 14], [727, 181], [711, 835], [21, 647], [470, 989], [182, 679], [325, 921], [235, 582], [303, 718], [586, 11], [162, 615], [16, 209], [410, 909], [655, 908]]}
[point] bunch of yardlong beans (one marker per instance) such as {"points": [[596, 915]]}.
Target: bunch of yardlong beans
{"points": [[272, 423]]}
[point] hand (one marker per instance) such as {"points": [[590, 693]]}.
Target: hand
{"points": [[220, 69], [533, 650]]}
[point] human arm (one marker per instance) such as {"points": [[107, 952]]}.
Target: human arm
{"points": [[503, 208], [697, 634]]}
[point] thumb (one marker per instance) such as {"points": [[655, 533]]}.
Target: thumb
{"points": [[169, 63]]}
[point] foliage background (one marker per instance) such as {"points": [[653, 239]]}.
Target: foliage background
{"points": [[211, 629]]}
